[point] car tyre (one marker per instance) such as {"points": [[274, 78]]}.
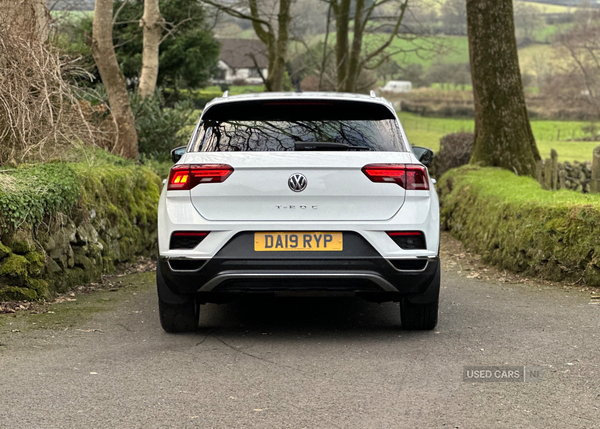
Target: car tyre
{"points": [[179, 317], [418, 317], [176, 317]]}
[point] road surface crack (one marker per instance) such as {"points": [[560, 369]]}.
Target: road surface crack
{"points": [[239, 350]]}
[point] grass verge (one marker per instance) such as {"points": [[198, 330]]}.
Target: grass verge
{"points": [[74, 310]]}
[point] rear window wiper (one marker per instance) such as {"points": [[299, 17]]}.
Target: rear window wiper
{"points": [[327, 146]]}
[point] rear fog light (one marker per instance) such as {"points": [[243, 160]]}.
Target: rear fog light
{"points": [[408, 240], [186, 239]]}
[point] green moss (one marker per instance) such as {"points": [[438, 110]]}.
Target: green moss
{"points": [[125, 199], [21, 247], [126, 250], [14, 266], [37, 262], [39, 286], [514, 223], [4, 251], [69, 278], [15, 293], [72, 313]]}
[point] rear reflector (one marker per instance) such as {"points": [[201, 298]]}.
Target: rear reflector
{"points": [[185, 177], [186, 239], [186, 264], [412, 177], [409, 264], [408, 240]]}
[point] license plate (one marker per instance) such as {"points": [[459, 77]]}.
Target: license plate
{"points": [[298, 241]]}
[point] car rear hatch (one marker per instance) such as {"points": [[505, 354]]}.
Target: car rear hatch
{"points": [[260, 187], [320, 142]]}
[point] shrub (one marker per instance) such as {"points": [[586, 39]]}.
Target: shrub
{"points": [[197, 97], [40, 114], [455, 150], [160, 128], [310, 83], [28, 194]]}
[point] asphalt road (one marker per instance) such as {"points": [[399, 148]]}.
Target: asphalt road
{"points": [[319, 363]]}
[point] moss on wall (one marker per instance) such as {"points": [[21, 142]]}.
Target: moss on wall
{"points": [[65, 224], [515, 224]]}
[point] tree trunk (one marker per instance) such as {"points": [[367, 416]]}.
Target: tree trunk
{"points": [[31, 17], [351, 60], [342, 21], [503, 135], [113, 80], [324, 59], [354, 60], [283, 39], [276, 45], [152, 23]]}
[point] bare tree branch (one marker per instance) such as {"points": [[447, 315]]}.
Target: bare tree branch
{"points": [[236, 13], [385, 45], [116, 15]]}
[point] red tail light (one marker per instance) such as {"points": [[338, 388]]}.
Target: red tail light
{"points": [[405, 233], [411, 177], [185, 177]]}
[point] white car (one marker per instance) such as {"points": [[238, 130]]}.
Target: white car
{"points": [[298, 194]]}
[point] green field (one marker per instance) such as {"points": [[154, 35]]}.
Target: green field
{"points": [[435, 49], [70, 15], [442, 49], [425, 131], [541, 7], [550, 8], [455, 50]]}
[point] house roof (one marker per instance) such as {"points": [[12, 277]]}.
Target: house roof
{"points": [[239, 53]]}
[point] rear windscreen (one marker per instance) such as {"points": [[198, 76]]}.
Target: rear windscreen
{"points": [[296, 125]]}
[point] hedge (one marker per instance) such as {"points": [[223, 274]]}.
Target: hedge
{"points": [[512, 222]]}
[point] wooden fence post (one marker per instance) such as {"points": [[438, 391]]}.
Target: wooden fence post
{"points": [[548, 174], [539, 169], [554, 177], [595, 183], [562, 179]]}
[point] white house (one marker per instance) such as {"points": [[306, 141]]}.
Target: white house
{"points": [[242, 60], [397, 87]]}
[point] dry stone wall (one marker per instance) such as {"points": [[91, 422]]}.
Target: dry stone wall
{"points": [[113, 221]]}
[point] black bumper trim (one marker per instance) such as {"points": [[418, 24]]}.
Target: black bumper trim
{"points": [[357, 276]]}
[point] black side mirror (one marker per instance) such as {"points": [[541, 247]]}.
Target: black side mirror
{"points": [[423, 154], [177, 153]]}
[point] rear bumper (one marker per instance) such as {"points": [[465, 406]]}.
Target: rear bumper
{"points": [[359, 270], [272, 275]]}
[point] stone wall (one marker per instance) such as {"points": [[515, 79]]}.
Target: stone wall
{"points": [[554, 175], [113, 221]]}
